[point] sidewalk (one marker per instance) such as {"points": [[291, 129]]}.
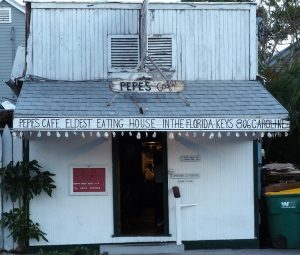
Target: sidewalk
{"points": [[238, 252]]}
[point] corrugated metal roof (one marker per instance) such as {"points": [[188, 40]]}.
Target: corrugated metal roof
{"points": [[206, 98]]}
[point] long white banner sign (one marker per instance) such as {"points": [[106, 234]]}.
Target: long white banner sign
{"points": [[157, 124]]}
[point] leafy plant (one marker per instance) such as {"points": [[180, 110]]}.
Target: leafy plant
{"points": [[20, 229], [53, 252], [80, 250], [21, 183]]}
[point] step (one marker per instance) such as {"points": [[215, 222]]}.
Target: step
{"points": [[142, 248]]}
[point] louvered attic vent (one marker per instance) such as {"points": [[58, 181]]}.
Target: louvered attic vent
{"points": [[124, 52], [160, 50], [5, 15]]}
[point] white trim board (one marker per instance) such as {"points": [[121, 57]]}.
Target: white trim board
{"points": [[16, 5]]}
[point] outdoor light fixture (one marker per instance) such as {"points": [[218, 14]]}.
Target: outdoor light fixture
{"points": [[253, 134], [66, 134], [286, 134], [187, 134], [82, 134], [154, 134], [246, 134], [91, 133], [114, 134], [203, 134], [211, 136], [106, 135], [179, 134], [138, 135], [195, 134], [171, 136], [98, 134], [48, 133], [75, 133], [237, 134], [269, 135], [262, 134], [57, 134], [146, 134], [39, 134], [130, 134], [228, 133], [14, 135], [122, 133], [219, 135]]}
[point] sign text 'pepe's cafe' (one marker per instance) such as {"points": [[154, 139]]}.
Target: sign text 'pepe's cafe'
{"points": [[150, 123]]}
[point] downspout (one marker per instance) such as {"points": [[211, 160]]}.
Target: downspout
{"points": [[27, 32], [25, 154], [25, 140], [13, 43]]}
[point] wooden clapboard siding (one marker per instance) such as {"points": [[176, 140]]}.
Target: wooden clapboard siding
{"points": [[223, 192], [214, 42], [8, 47]]}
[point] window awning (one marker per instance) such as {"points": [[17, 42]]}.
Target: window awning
{"points": [[92, 106]]}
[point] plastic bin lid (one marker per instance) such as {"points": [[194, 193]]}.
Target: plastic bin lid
{"points": [[285, 192]]}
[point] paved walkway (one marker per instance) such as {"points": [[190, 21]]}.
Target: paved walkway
{"points": [[238, 252]]}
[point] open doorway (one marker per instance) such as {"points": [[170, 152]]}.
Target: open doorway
{"points": [[140, 181]]}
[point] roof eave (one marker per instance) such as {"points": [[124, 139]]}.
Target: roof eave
{"points": [[16, 5]]}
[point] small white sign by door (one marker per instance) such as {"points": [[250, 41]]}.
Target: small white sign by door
{"points": [[189, 158]]}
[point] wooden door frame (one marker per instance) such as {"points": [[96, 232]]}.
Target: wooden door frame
{"points": [[116, 186]]}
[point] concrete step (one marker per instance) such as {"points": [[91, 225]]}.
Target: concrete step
{"points": [[142, 248]]}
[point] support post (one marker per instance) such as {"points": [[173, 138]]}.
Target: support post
{"points": [[178, 205], [178, 221]]}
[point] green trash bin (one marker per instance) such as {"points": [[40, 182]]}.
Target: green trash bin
{"points": [[284, 219]]}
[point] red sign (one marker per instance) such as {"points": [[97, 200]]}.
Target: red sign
{"points": [[89, 180]]}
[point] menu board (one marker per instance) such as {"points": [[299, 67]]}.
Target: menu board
{"points": [[88, 180]]}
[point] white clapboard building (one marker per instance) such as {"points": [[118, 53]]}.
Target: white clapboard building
{"points": [[125, 101]]}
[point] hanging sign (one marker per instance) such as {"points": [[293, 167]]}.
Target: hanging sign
{"points": [[146, 86], [155, 124], [88, 181]]}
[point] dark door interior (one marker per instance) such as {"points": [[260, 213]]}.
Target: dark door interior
{"points": [[142, 183]]}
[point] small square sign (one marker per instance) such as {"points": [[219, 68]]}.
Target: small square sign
{"points": [[88, 180]]}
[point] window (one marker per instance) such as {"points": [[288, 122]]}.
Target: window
{"points": [[5, 15], [124, 52]]}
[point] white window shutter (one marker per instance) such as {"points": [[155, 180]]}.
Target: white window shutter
{"points": [[5, 15], [160, 50], [123, 52]]}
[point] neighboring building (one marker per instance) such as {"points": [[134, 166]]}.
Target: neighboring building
{"points": [[12, 35], [119, 140], [287, 56]]}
